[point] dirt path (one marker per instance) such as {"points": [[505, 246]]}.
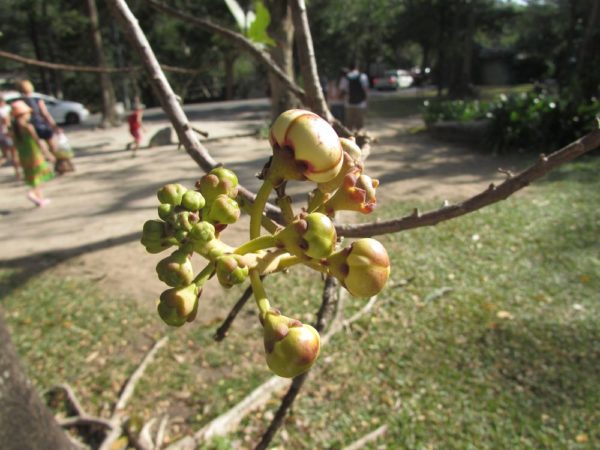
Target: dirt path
{"points": [[94, 221]]}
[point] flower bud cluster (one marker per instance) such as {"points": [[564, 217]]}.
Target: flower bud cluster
{"points": [[305, 148], [191, 220]]}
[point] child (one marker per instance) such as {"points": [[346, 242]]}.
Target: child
{"points": [[135, 128], [31, 153]]}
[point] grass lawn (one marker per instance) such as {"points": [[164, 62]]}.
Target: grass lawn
{"points": [[487, 337]]}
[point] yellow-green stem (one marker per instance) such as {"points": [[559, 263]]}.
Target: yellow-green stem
{"points": [[316, 201], [260, 243], [204, 275], [285, 203], [257, 208], [260, 296]]}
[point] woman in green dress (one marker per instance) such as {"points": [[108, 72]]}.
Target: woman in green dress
{"points": [[31, 153]]}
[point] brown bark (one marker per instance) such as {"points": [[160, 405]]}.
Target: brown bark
{"points": [[25, 423], [281, 30], [106, 86], [308, 63]]}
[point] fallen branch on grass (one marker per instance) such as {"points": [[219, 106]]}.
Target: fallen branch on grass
{"points": [[118, 417], [368, 438]]}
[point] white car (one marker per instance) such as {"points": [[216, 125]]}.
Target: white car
{"points": [[393, 79], [62, 111]]}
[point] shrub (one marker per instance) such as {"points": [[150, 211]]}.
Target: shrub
{"points": [[534, 121]]}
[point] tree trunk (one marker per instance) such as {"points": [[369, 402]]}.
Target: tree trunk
{"points": [[281, 31], [108, 93], [25, 423], [55, 75], [37, 48]]}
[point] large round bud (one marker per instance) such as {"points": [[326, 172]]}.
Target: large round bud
{"points": [[311, 235], [291, 347], [363, 268], [315, 145]]}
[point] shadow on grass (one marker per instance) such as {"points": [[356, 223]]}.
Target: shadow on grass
{"points": [[544, 365]]}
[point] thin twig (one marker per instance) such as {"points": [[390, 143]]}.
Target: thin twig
{"points": [[491, 195], [117, 418], [92, 69], [286, 404], [85, 420], [237, 39], [129, 387], [72, 399], [367, 439], [222, 330], [160, 434]]}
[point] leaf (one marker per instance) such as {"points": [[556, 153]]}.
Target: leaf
{"points": [[257, 32], [242, 19]]}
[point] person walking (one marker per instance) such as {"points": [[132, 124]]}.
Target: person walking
{"points": [[135, 128], [31, 151], [6, 143], [354, 87]]}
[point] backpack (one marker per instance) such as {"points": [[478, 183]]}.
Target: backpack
{"points": [[356, 92]]}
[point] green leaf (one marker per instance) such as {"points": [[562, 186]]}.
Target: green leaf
{"points": [[257, 32]]}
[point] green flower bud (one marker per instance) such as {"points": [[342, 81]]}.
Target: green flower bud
{"points": [[166, 212], [316, 147], [224, 210], [155, 247], [184, 220], [363, 268], [312, 235], [202, 232], [175, 270], [179, 305], [171, 194], [193, 201], [153, 230], [231, 270], [180, 235], [219, 181], [291, 347]]}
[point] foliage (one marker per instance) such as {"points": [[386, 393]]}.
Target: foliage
{"points": [[488, 332], [536, 121]]}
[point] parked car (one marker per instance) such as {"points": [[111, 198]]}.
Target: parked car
{"points": [[393, 79], [62, 111]]}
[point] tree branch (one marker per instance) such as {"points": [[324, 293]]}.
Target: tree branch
{"points": [[92, 69], [222, 330], [308, 64], [286, 404], [367, 439], [491, 195], [117, 417], [129, 387], [237, 39], [167, 97]]}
